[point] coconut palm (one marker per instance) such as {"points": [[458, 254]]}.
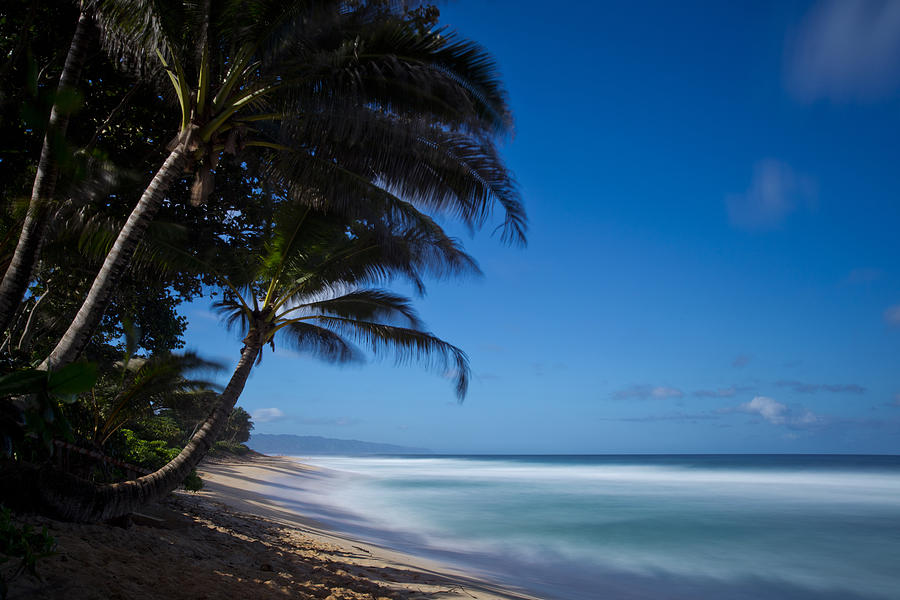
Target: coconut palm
{"points": [[21, 266], [306, 287], [345, 105]]}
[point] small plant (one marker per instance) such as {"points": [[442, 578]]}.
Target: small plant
{"points": [[192, 482], [22, 544]]}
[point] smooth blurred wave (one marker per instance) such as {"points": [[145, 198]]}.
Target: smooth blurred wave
{"points": [[579, 527]]}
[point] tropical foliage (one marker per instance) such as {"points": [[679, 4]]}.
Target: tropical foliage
{"points": [[289, 158]]}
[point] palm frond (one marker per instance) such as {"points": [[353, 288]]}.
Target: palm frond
{"points": [[403, 71], [451, 173], [407, 345], [363, 305], [134, 30], [234, 313], [320, 342]]}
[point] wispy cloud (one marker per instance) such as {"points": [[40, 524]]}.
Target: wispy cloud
{"points": [[772, 411], [203, 314], [846, 50], [812, 388], [728, 392], [741, 360], [644, 391], [775, 192], [266, 415], [676, 416], [777, 413], [892, 315]]}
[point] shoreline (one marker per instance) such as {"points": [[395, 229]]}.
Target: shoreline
{"points": [[232, 540], [246, 485]]}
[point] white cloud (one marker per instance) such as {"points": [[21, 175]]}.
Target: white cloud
{"points": [[807, 418], [647, 391], [265, 415], [892, 315], [666, 392], [779, 414], [719, 393], [771, 410], [846, 50], [775, 192]]}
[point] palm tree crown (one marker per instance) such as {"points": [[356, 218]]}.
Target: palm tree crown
{"points": [[347, 106], [327, 88], [308, 288]]}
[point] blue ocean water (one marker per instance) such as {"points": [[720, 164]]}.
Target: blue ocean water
{"points": [[654, 527]]}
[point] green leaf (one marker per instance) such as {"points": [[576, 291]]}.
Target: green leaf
{"points": [[73, 379]]}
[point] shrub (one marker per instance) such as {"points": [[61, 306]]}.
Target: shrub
{"points": [[150, 454], [192, 482], [227, 447], [22, 544]]}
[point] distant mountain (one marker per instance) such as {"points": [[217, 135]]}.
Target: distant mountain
{"points": [[300, 445]]}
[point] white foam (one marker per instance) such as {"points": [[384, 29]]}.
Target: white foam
{"points": [[793, 528]]}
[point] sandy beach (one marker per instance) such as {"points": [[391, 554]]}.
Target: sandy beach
{"points": [[232, 540]]}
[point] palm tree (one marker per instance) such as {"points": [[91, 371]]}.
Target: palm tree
{"points": [[358, 110], [141, 383], [25, 257], [306, 290]]}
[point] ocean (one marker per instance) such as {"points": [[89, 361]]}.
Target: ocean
{"points": [[634, 527]]}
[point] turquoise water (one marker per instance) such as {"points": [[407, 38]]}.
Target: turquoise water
{"points": [[584, 527]]}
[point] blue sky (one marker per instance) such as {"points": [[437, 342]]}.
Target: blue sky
{"points": [[713, 260]]}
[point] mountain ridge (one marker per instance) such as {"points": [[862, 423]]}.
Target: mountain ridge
{"points": [[286, 443]]}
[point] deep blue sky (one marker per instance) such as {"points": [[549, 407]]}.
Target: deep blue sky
{"points": [[714, 248]]}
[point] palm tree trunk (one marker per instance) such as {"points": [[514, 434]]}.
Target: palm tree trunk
{"points": [[82, 327], [28, 250], [75, 499]]}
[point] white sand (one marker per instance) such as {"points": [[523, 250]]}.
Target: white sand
{"points": [[255, 486]]}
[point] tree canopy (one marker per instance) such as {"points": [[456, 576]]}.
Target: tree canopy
{"points": [[290, 159]]}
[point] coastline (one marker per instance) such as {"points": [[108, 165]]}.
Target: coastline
{"points": [[233, 540], [246, 486]]}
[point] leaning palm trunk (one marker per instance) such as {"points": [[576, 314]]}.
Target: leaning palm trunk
{"points": [[28, 249], [89, 315], [75, 499]]}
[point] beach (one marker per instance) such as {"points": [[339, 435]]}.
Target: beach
{"points": [[624, 527], [232, 541]]}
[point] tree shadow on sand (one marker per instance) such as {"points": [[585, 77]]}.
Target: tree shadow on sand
{"points": [[219, 554]]}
